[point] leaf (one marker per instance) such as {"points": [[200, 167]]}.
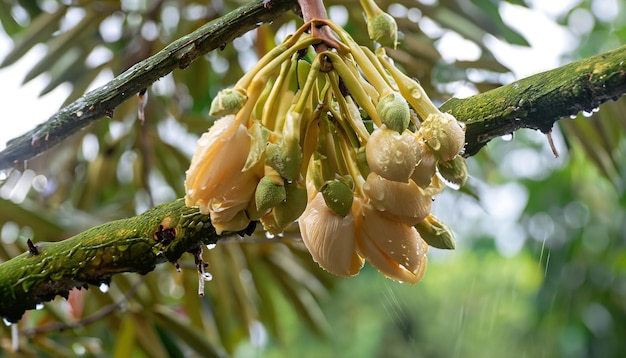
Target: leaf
{"points": [[65, 41], [174, 324], [39, 30], [125, 338]]}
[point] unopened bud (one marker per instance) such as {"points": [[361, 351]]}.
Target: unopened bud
{"points": [[435, 233], [228, 101], [454, 171], [392, 155], [290, 210], [285, 158], [394, 112], [338, 197], [381, 26], [444, 135], [268, 194]]}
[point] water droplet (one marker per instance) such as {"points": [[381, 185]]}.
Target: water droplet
{"points": [[6, 322], [104, 287], [211, 246], [507, 137], [595, 110], [449, 184], [587, 114], [39, 306], [269, 235], [207, 276], [574, 116]]}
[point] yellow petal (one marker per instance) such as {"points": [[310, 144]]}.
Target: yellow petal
{"points": [[220, 157], [329, 238], [394, 248], [404, 202], [234, 223], [425, 170]]}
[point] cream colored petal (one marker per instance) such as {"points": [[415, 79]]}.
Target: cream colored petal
{"points": [[426, 168], [404, 202], [391, 154], [394, 248], [234, 223], [329, 238], [220, 156]]}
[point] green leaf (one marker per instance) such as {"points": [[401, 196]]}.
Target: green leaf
{"points": [[39, 30]]}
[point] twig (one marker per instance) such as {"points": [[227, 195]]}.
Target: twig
{"points": [[102, 101]]}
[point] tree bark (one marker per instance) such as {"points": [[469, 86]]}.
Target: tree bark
{"points": [[167, 231]]}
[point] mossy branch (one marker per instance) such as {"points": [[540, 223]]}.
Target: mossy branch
{"points": [[102, 101], [161, 234], [540, 100]]}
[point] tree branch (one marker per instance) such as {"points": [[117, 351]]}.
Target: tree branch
{"points": [[161, 234], [540, 100], [102, 101]]}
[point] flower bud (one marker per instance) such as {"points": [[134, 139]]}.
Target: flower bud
{"points": [[338, 196], [383, 29], [436, 233], [285, 157], [392, 155], [454, 171], [290, 210], [394, 112], [404, 202], [268, 194], [444, 135], [228, 101]]}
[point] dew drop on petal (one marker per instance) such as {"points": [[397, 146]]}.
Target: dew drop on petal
{"points": [[507, 137], [39, 306], [211, 246]]}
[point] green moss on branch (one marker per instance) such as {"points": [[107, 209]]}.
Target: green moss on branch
{"points": [[540, 100], [135, 244]]}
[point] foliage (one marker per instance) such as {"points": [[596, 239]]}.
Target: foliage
{"points": [[561, 295]]}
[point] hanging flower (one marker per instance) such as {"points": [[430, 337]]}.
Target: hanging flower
{"points": [[218, 160], [394, 248], [329, 238]]}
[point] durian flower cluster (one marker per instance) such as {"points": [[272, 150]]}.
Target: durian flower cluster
{"points": [[340, 141]]}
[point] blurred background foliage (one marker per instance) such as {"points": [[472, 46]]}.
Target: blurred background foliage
{"points": [[540, 268]]}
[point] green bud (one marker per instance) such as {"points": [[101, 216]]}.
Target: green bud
{"points": [[268, 194], [228, 101], [383, 29], [454, 170], [290, 210], [338, 196], [394, 112], [435, 233], [285, 157]]}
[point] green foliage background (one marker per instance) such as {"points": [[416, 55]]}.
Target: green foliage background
{"points": [[547, 280]]}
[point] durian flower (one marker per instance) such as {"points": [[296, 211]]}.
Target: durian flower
{"points": [[218, 160], [394, 248], [228, 209], [403, 202], [392, 155], [329, 238], [444, 135]]}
